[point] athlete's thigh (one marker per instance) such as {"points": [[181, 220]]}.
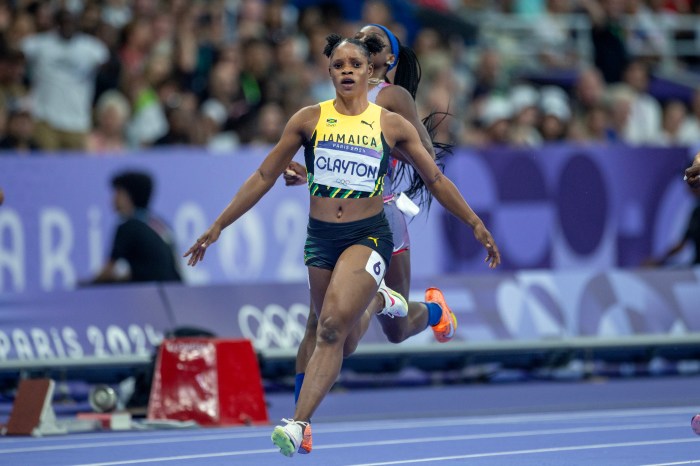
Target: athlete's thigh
{"points": [[353, 284], [398, 277]]}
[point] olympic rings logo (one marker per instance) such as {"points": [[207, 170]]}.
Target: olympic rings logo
{"points": [[273, 327]]}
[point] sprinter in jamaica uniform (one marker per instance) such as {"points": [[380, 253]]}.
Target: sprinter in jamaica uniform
{"points": [[432, 312], [341, 290]]}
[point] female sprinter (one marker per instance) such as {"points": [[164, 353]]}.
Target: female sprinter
{"points": [[399, 98], [347, 143]]}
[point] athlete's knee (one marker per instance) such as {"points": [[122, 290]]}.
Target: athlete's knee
{"points": [[329, 331]]}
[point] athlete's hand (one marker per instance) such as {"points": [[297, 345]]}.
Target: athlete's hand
{"points": [[295, 174], [199, 248], [484, 237], [692, 175]]}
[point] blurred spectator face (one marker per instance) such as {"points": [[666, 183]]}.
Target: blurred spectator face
{"points": [[108, 34], [21, 27], [271, 122], [310, 18], [524, 100], [553, 128], [258, 58], [489, 65], [596, 122], [66, 24], [223, 81], [613, 8], [376, 12], [619, 112], [12, 67], [5, 15], [44, 16], [145, 8], [287, 53], [631, 6], [252, 10], [558, 6], [139, 35], [162, 27], [637, 77], [590, 88], [112, 120], [251, 19], [426, 41], [674, 114], [179, 120], [230, 54], [20, 125], [274, 16], [158, 69], [90, 18]]}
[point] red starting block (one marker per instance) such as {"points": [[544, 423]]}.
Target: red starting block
{"points": [[209, 381], [32, 411]]}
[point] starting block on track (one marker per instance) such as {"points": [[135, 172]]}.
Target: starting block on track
{"points": [[210, 381], [32, 412], [120, 420]]}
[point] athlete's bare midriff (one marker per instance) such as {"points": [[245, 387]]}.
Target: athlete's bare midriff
{"points": [[334, 210]]}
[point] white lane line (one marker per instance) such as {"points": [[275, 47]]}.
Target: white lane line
{"points": [[378, 425], [402, 424], [183, 457], [265, 433], [533, 451], [674, 464], [421, 440], [123, 443]]}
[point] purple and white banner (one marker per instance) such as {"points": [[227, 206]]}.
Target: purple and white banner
{"points": [[561, 208], [110, 321], [101, 322]]}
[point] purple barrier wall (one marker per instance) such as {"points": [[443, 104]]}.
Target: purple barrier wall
{"points": [[100, 322], [506, 308], [562, 207], [569, 206]]}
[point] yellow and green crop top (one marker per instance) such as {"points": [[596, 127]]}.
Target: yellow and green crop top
{"points": [[347, 156]]}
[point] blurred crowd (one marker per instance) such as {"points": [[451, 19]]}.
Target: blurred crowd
{"points": [[110, 76]]}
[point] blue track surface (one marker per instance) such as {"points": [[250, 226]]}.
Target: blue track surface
{"points": [[617, 423]]}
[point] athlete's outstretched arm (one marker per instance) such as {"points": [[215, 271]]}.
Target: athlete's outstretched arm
{"points": [[407, 141], [259, 183], [692, 173]]}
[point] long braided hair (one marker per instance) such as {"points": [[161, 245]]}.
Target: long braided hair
{"points": [[408, 75]]}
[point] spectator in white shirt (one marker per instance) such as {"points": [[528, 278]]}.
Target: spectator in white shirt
{"points": [[644, 123], [63, 64]]}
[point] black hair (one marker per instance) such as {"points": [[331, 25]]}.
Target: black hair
{"points": [[408, 71], [408, 75], [405, 173], [369, 46], [138, 186]]}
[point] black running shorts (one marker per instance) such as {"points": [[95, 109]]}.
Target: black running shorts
{"points": [[326, 241]]}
